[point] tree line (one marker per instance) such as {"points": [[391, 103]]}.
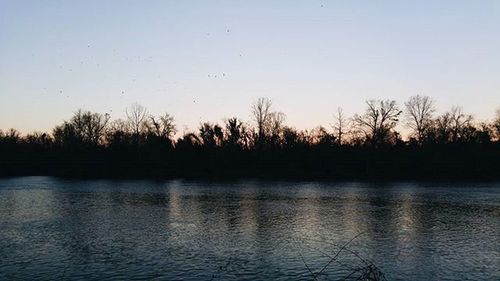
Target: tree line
{"points": [[451, 145]]}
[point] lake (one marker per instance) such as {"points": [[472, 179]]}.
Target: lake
{"points": [[56, 229]]}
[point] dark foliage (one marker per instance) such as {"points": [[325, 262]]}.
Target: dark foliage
{"points": [[449, 146]]}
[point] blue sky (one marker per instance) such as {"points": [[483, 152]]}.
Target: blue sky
{"points": [[309, 57]]}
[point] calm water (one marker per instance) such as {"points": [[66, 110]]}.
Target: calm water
{"points": [[249, 230]]}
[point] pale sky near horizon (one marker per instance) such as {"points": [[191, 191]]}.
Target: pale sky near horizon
{"points": [[206, 60]]}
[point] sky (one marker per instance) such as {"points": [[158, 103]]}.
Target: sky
{"points": [[208, 60]]}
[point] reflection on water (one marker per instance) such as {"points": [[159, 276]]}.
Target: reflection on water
{"points": [[249, 230]]}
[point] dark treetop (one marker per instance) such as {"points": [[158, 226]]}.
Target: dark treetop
{"points": [[366, 146]]}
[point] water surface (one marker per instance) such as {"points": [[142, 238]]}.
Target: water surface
{"points": [[56, 229]]}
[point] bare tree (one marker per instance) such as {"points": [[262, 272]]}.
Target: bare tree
{"points": [[89, 127], [419, 111], [459, 122], [451, 126], [276, 121], [96, 126], [163, 126], [274, 127], [119, 125], [340, 125], [380, 118], [136, 116], [442, 127], [84, 127], [247, 133], [118, 132], [261, 111]]}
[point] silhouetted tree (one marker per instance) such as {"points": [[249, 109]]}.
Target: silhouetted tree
{"points": [[261, 112], [88, 144], [219, 135], [484, 134], [290, 138], [163, 126], [419, 111], [66, 135], [340, 125], [274, 127], [452, 126], [10, 137], [380, 117], [90, 126], [119, 134], [39, 139], [207, 134], [84, 127], [326, 140], [211, 135], [234, 132], [136, 116], [460, 123], [188, 141]]}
